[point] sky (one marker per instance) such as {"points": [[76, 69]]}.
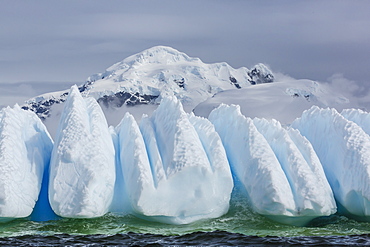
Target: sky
{"points": [[47, 45]]}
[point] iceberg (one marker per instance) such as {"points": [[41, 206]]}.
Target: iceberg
{"points": [[82, 167], [344, 150], [177, 168], [25, 147], [275, 173], [172, 173]]}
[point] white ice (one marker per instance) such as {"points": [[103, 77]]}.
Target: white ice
{"points": [[275, 171], [311, 191], [82, 168], [25, 147], [344, 150], [360, 117], [172, 173]]}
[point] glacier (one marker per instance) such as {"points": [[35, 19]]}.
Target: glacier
{"points": [[343, 148], [25, 148], [82, 166], [283, 180], [174, 166]]}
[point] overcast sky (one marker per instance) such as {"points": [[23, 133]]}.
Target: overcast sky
{"points": [[67, 41]]}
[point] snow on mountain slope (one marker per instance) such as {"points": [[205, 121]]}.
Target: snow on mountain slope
{"points": [[280, 182], [344, 150], [282, 100], [146, 77], [162, 71], [82, 167], [171, 173], [25, 147]]}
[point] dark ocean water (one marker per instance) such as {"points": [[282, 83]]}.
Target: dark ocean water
{"points": [[216, 238]]}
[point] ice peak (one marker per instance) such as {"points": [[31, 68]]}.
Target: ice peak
{"points": [[74, 91]]}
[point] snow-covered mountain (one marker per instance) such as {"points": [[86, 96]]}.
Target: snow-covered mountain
{"points": [[146, 77]]}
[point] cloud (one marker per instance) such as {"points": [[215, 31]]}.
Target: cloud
{"points": [[351, 89], [346, 86], [70, 40]]}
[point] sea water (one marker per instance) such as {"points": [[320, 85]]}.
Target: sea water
{"points": [[238, 227]]}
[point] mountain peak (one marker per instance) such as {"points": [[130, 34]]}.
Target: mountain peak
{"points": [[163, 55], [160, 54]]}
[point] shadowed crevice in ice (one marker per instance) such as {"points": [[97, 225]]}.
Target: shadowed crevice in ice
{"points": [[42, 210], [120, 203]]}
